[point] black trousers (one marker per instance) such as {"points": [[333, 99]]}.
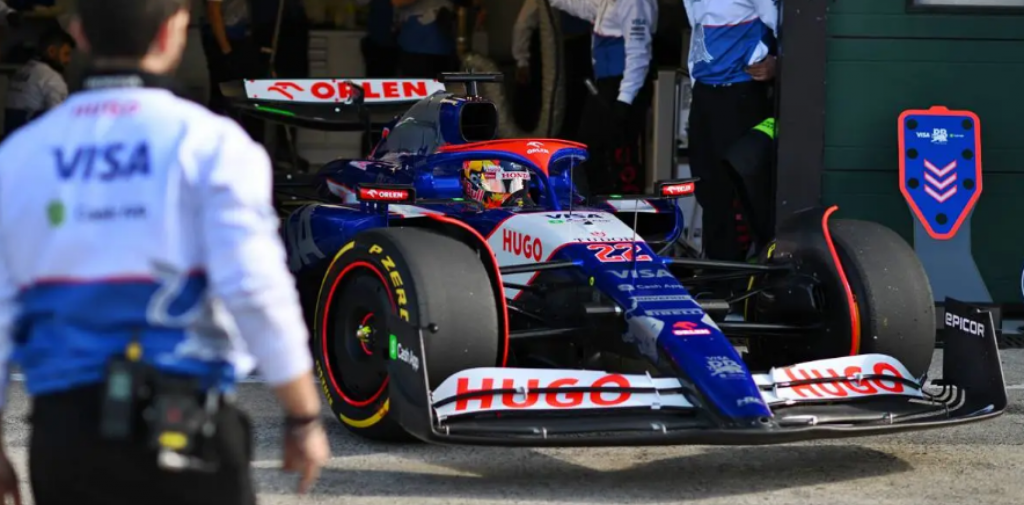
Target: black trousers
{"points": [[70, 464], [719, 116], [613, 167]]}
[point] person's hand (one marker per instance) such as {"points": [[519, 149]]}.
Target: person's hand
{"points": [[306, 450], [763, 70], [523, 75], [9, 491]]}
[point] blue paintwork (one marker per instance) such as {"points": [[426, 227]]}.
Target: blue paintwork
{"points": [[945, 171], [654, 301]]}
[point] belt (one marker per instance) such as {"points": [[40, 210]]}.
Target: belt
{"points": [[729, 84]]}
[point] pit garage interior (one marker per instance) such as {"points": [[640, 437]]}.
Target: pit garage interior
{"points": [[848, 68]]}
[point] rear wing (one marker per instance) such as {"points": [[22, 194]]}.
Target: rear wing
{"points": [[328, 104]]}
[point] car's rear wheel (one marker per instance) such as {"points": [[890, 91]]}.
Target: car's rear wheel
{"points": [[893, 303], [424, 278]]}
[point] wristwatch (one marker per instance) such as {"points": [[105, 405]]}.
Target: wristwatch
{"points": [[294, 425]]}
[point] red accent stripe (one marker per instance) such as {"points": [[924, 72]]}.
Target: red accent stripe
{"points": [[850, 301], [323, 335], [497, 274]]}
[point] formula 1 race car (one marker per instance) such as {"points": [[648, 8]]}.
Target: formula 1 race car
{"points": [[539, 318]]}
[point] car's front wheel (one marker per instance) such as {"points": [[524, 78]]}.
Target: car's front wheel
{"points": [[893, 310], [422, 277]]}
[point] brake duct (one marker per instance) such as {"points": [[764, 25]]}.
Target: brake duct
{"points": [[552, 75]]}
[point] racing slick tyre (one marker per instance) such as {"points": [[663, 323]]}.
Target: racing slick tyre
{"points": [[424, 278], [893, 302]]}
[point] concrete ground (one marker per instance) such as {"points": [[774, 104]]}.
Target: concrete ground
{"points": [[978, 464]]}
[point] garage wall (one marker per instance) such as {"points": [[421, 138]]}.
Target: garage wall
{"points": [[883, 60]]}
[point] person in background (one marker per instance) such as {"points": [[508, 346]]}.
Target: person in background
{"points": [[614, 118], [731, 68], [39, 85], [426, 37], [231, 53], [380, 47], [576, 48]]}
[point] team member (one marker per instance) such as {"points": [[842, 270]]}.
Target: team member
{"points": [[39, 85], [426, 36], [731, 68], [621, 56], [138, 251]]}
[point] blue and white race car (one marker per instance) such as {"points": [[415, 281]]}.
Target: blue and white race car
{"points": [[460, 290]]}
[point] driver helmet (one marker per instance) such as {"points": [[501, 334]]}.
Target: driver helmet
{"points": [[496, 183]]}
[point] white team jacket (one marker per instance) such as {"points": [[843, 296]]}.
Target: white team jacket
{"points": [[728, 36], [129, 211], [623, 37]]}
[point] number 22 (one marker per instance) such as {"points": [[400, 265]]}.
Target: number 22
{"points": [[617, 253]]}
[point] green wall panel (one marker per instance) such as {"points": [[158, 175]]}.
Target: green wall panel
{"points": [[882, 61]]}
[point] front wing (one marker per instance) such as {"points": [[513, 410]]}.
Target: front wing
{"points": [[842, 397]]}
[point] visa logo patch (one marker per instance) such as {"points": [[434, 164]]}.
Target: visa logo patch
{"points": [[103, 162]]}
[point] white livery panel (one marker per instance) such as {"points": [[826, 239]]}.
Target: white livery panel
{"points": [[536, 237], [514, 387]]}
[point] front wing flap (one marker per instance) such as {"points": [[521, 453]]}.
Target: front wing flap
{"points": [[835, 398]]}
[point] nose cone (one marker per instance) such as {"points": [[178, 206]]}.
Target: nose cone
{"points": [[668, 327]]}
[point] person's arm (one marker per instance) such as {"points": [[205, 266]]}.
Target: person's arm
{"points": [[215, 16], [638, 18], [768, 12], [245, 262], [762, 62], [583, 9], [522, 32]]}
